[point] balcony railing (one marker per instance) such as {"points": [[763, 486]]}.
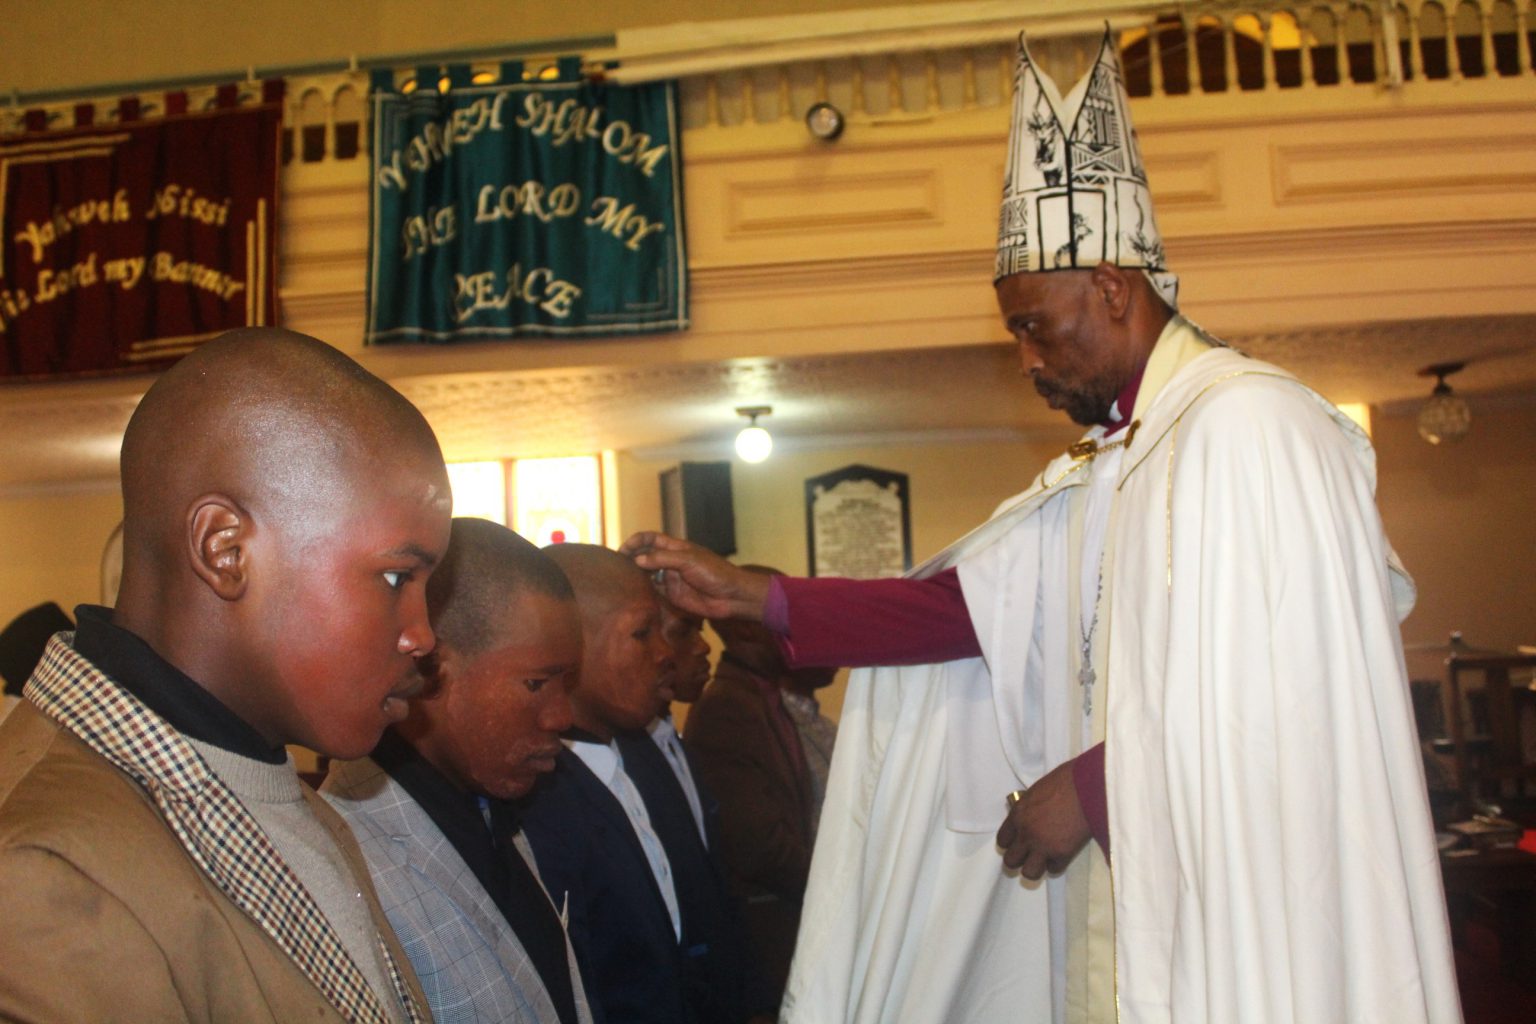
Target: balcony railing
{"points": [[1191, 49]]}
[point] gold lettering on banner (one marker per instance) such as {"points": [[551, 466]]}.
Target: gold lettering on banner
{"points": [[13, 303], [530, 198], [167, 268], [53, 283], [438, 226], [64, 220], [632, 147], [126, 271], [618, 221], [569, 121], [563, 122], [539, 287], [437, 140], [183, 201]]}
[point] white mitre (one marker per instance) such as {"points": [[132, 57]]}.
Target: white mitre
{"points": [[1075, 194]]}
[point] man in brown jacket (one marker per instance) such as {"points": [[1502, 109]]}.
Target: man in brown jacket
{"points": [[159, 858], [749, 755]]}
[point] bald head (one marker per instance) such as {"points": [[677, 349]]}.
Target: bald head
{"points": [[487, 567], [600, 577], [273, 419], [626, 661], [282, 511]]}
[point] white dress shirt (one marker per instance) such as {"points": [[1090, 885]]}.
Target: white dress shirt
{"points": [[664, 735], [606, 763]]}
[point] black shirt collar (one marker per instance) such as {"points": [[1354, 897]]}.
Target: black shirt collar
{"points": [[481, 829], [165, 689], [455, 812]]}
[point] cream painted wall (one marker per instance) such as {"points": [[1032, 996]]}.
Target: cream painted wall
{"points": [[50, 549], [50, 45], [953, 487], [1463, 519]]}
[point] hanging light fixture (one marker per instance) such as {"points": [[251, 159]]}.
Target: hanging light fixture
{"points": [[1445, 416], [754, 443]]}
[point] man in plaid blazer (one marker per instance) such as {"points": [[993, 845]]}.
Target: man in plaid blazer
{"points": [[430, 806]]}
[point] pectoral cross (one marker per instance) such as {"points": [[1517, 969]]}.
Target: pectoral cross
{"points": [[1085, 678]]}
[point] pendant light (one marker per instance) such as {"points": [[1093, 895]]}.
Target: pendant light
{"points": [[1445, 417], [754, 443]]}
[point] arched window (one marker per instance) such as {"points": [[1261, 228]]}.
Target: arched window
{"points": [[1324, 42], [348, 107], [1136, 60], [1285, 41], [1360, 44], [312, 126], [1504, 27], [1210, 47], [1404, 39], [1433, 40], [1469, 39], [1248, 47], [1173, 54]]}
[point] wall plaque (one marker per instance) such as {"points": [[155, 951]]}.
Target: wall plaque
{"points": [[858, 523]]}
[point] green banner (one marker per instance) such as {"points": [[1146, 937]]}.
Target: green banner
{"points": [[524, 209]]}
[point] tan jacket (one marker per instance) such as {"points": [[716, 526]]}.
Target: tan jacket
{"points": [[105, 917]]}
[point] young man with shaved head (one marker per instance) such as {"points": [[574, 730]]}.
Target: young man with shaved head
{"points": [[690, 671], [592, 836], [159, 857], [724, 981], [432, 807]]}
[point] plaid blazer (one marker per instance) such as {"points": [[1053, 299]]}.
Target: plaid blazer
{"points": [[134, 886], [470, 962]]}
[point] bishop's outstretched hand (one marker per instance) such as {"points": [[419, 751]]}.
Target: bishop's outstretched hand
{"points": [[696, 579]]}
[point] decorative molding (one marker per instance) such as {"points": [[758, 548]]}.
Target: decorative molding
{"points": [[1185, 180], [1355, 171], [966, 264], [782, 443], [1308, 243], [323, 305], [696, 48], [834, 202]]}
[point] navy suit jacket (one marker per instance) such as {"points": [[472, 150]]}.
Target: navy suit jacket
{"points": [[723, 983], [593, 866]]}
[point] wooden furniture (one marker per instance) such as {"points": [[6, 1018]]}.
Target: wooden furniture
{"points": [[1503, 882], [1495, 721]]}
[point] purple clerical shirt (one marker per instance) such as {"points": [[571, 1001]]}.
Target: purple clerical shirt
{"points": [[833, 621]]}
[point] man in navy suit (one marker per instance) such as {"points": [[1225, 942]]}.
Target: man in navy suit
{"points": [[723, 983], [593, 837]]}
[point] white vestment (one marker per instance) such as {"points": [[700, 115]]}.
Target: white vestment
{"points": [[1273, 857]]}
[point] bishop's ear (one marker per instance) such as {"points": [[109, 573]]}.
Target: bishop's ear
{"points": [[218, 531], [1113, 285]]}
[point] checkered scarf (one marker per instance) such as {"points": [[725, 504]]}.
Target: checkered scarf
{"points": [[216, 829]]}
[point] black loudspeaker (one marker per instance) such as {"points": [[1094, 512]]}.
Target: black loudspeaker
{"points": [[696, 505]]}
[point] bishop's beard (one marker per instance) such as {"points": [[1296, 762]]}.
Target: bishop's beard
{"points": [[1086, 405]]}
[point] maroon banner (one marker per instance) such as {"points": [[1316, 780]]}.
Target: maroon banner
{"points": [[124, 246]]}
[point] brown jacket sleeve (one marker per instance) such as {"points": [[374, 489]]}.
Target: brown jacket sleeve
{"points": [[764, 797]]}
